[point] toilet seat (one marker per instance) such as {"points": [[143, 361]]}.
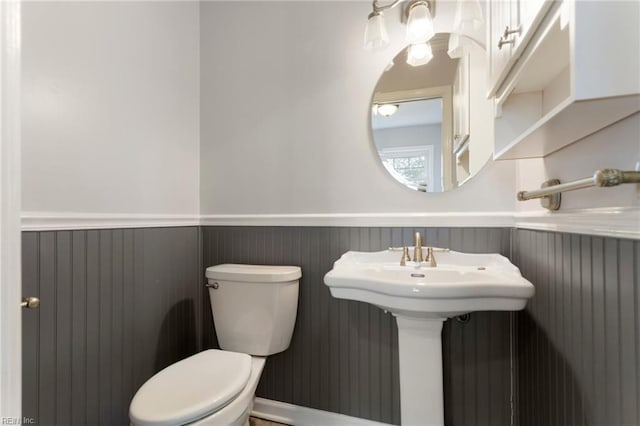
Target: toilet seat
{"points": [[191, 389]]}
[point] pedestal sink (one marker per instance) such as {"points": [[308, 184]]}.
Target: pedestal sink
{"points": [[422, 298]]}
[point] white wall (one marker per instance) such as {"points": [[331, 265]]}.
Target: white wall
{"points": [[111, 107], [481, 132], [407, 136], [615, 147], [286, 89], [111, 116]]}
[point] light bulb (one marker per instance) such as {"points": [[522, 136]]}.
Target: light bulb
{"points": [[419, 24], [387, 110], [419, 54], [375, 33]]}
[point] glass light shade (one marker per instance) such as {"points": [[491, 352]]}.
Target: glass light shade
{"points": [[419, 54], [419, 24], [387, 110], [375, 34], [468, 16]]}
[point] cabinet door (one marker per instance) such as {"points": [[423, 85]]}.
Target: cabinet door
{"points": [[527, 15], [461, 99], [499, 13]]}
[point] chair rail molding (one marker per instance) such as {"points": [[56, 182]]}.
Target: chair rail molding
{"points": [[49, 221], [620, 222], [496, 219]]}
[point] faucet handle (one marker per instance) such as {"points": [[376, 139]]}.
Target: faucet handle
{"points": [[431, 259], [405, 256]]}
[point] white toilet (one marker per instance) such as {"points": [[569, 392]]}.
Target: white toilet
{"points": [[254, 310]]}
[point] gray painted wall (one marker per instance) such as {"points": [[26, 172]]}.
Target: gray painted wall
{"points": [[344, 355], [578, 339], [116, 306]]}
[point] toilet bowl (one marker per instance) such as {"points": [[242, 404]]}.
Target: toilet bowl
{"points": [[254, 310]]}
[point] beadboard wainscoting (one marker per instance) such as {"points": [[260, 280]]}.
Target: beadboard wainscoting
{"points": [[117, 305], [120, 304], [344, 355], [578, 339]]}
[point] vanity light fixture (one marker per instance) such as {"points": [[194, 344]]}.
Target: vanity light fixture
{"points": [[419, 23], [375, 34], [417, 14], [387, 110]]}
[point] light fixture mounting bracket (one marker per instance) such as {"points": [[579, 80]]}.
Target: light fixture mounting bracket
{"points": [[377, 7], [406, 7]]}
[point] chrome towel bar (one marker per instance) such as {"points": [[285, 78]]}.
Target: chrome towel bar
{"points": [[551, 189]]}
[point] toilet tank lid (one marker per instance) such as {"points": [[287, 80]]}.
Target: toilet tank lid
{"points": [[254, 273]]}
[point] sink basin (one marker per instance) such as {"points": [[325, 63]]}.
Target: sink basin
{"points": [[422, 298], [461, 283]]}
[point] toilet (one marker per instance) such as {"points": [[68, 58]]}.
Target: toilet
{"points": [[254, 310]]}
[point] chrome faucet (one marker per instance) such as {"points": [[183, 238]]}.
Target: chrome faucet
{"points": [[417, 250]]}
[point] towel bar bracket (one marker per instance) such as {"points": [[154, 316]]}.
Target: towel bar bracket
{"points": [[551, 201], [549, 192]]}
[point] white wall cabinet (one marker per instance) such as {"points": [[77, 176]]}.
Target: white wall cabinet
{"points": [[461, 107], [499, 18], [461, 99], [572, 71], [512, 24]]}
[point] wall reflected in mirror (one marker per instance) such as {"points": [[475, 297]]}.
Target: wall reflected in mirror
{"points": [[422, 123], [409, 140]]}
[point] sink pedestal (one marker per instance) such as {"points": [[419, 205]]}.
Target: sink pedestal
{"points": [[420, 356], [422, 298]]}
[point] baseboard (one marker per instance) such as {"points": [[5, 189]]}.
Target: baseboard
{"points": [[618, 222], [296, 415], [37, 221]]}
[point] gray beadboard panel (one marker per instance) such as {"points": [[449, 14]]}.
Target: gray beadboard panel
{"points": [[578, 339], [116, 307], [344, 355]]}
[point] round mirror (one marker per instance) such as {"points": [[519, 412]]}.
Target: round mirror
{"points": [[430, 120]]}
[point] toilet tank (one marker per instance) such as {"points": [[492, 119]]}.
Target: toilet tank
{"points": [[254, 307]]}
